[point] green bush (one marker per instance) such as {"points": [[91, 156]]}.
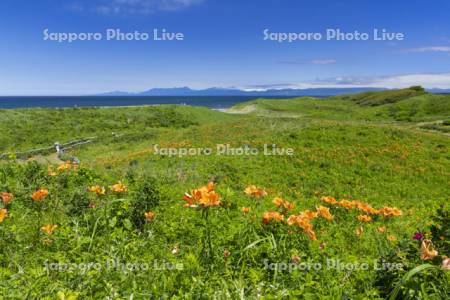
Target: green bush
{"points": [[146, 197], [417, 279]]}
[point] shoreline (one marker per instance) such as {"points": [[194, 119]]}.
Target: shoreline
{"points": [[114, 106]]}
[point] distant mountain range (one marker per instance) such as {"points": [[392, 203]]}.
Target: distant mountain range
{"points": [[439, 91], [186, 91]]}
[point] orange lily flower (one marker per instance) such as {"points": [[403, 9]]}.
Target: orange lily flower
{"points": [[6, 197], [324, 212], [292, 220], [346, 204], [308, 214], [118, 188], [210, 186], [386, 211], [277, 201], [390, 212], [49, 228], [381, 229], [329, 200], [189, 199], [303, 221], [288, 205], [392, 238], [65, 166], [39, 195], [311, 234], [364, 218], [300, 221], [427, 250], [245, 210], [204, 196], [210, 199], [149, 216], [272, 215], [3, 214], [99, 190], [255, 192]]}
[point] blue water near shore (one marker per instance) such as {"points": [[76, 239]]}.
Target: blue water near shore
{"points": [[215, 102]]}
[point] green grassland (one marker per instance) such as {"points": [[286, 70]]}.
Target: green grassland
{"points": [[385, 148]]}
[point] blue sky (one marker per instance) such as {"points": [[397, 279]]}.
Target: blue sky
{"points": [[223, 45]]}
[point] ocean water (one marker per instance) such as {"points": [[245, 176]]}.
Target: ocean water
{"points": [[215, 102]]}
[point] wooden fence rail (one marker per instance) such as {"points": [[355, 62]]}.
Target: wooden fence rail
{"points": [[48, 150]]}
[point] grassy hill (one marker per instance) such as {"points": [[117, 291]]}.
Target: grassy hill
{"points": [[408, 105], [385, 97], [343, 148]]}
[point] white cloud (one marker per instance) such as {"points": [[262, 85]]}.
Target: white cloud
{"points": [[426, 80], [430, 49], [265, 87], [115, 7], [395, 81], [324, 61], [75, 7], [306, 62]]}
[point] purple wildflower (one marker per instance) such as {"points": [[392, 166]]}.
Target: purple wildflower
{"points": [[418, 236]]}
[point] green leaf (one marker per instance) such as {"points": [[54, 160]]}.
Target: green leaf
{"points": [[128, 225], [408, 277], [113, 222]]}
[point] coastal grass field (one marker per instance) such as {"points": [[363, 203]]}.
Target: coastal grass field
{"points": [[272, 226]]}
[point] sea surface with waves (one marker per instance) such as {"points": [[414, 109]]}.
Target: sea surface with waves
{"points": [[215, 102]]}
